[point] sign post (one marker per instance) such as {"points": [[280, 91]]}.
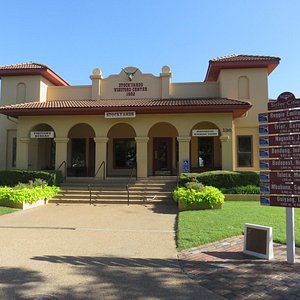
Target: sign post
{"points": [[280, 162]]}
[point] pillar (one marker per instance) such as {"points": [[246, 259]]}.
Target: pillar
{"points": [[100, 155], [184, 150], [142, 156], [61, 154], [96, 84], [22, 153], [165, 76], [227, 152]]}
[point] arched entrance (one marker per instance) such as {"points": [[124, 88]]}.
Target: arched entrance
{"points": [[121, 149], [81, 151], [163, 149], [41, 151], [206, 149]]}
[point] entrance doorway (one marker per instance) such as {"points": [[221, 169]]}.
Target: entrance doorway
{"points": [[206, 152], [162, 156]]}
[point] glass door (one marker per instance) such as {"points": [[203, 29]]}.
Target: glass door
{"points": [[162, 156], [206, 152]]}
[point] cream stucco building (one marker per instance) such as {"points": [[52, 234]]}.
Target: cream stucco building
{"points": [[134, 118]]}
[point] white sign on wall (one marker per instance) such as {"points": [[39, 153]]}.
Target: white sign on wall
{"points": [[119, 114], [42, 134], [205, 132]]}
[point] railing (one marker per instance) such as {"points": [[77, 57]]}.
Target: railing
{"points": [[57, 169], [104, 173], [177, 178], [134, 168], [96, 173]]}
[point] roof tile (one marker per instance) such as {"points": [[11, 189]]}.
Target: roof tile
{"points": [[243, 57], [22, 66]]}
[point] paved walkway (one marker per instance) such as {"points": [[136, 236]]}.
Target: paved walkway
{"points": [[93, 252], [222, 268]]}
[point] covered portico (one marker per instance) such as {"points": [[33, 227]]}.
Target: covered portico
{"points": [[155, 134]]}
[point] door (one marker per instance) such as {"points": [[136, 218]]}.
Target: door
{"points": [[78, 158], [206, 152], [162, 156]]}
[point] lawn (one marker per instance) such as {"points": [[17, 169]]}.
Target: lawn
{"points": [[206, 226], [6, 210]]}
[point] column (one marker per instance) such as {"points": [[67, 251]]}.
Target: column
{"points": [[22, 153], [142, 156], [100, 155], [227, 152], [61, 153], [184, 150]]}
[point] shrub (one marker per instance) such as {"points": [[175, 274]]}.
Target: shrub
{"points": [[247, 189], [222, 179], [195, 186], [27, 195], [208, 196], [13, 177]]}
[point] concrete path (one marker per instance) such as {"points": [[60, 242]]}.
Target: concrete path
{"points": [[93, 252]]}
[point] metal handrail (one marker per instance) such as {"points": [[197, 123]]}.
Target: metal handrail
{"points": [[177, 178], [57, 169], [134, 167], [99, 168]]}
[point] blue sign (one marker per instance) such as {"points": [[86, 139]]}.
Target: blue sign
{"points": [[263, 118], [265, 200], [264, 177], [264, 153], [186, 166], [263, 141], [264, 165], [265, 189]]}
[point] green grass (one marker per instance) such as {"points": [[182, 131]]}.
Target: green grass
{"points": [[205, 226], [6, 210]]}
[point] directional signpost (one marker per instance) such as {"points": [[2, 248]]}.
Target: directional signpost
{"points": [[279, 151]]}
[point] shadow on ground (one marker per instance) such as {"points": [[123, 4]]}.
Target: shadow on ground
{"points": [[102, 278]]}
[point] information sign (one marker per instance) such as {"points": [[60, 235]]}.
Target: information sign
{"points": [[279, 116], [280, 164], [186, 166], [279, 176], [280, 140], [284, 188], [279, 128], [285, 201], [279, 152], [42, 134]]}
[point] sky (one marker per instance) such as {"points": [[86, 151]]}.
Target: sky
{"points": [[74, 37]]}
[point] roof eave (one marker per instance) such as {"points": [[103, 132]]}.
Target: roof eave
{"points": [[236, 110], [45, 72], [215, 67]]}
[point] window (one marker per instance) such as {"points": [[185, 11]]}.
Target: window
{"points": [[244, 151], [14, 152], [124, 153]]}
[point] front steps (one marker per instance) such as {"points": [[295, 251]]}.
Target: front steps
{"points": [[113, 191]]}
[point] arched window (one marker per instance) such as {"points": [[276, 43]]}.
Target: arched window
{"points": [[21, 92], [244, 87]]}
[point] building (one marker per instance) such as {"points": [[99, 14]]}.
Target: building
{"points": [[134, 117]]}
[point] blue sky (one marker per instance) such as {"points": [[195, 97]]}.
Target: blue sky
{"points": [[74, 37]]}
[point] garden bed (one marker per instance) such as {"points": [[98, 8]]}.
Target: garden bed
{"points": [[23, 205]]}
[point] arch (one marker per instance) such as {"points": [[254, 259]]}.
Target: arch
{"points": [[41, 154], [21, 92], [81, 151], [243, 87], [206, 153], [121, 149]]}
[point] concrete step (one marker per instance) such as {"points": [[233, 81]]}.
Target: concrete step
{"points": [[113, 190]]}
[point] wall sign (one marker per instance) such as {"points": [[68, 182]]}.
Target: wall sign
{"points": [[119, 114], [205, 132], [130, 88], [42, 134]]}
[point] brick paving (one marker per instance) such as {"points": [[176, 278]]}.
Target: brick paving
{"points": [[223, 268]]}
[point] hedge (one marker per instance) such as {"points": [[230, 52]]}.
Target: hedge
{"points": [[27, 195], [13, 177], [222, 179]]}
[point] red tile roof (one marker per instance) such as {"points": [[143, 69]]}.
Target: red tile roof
{"points": [[239, 61], [89, 107], [22, 66], [32, 68], [243, 57]]}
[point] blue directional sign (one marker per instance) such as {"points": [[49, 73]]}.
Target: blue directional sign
{"points": [[186, 166]]}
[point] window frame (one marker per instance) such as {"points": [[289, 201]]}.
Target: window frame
{"points": [[239, 152]]}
